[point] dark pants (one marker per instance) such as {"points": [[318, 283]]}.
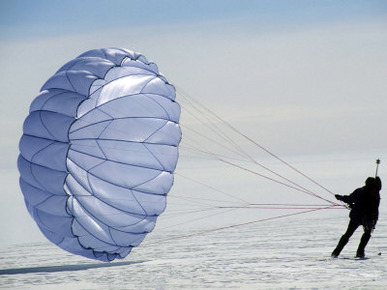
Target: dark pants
{"points": [[345, 238]]}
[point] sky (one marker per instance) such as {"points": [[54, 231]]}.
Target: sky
{"points": [[306, 78]]}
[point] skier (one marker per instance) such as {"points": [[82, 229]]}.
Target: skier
{"points": [[364, 204]]}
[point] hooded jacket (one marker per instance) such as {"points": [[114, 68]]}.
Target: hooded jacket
{"points": [[364, 204]]}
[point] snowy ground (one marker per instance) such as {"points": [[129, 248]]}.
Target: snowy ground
{"points": [[289, 253]]}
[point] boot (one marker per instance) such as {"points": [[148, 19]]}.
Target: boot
{"points": [[363, 243], [343, 241]]}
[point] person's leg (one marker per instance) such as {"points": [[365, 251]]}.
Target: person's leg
{"points": [[345, 238], [363, 243]]}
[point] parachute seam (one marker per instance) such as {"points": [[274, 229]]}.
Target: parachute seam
{"points": [[88, 124], [153, 100], [41, 189], [44, 125], [141, 205], [96, 141], [65, 90], [134, 95], [42, 224], [120, 140], [111, 236], [157, 76], [153, 178], [121, 185], [92, 193], [118, 162], [131, 188], [96, 218], [148, 82], [33, 175], [146, 65], [121, 77], [39, 112], [125, 211], [49, 98], [105, 55], [110, 120], [153, 74], [100, 148], [147, 95], [157, 130], [54, 112], [98, 239], [154, 156], [79, 59], [112, 100], [42, 149], [102, 111], [88, 180], [68, 78], [39, 165], [67, 154], [44, 138], [87, 173], [47, 198]]}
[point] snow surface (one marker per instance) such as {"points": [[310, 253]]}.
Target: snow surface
{"points": [[288, 253]]}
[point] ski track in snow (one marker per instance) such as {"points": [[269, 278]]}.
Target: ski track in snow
{"points": [[289, 253]]}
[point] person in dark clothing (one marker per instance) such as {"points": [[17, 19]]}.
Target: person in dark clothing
{"points": [[364, 204]]}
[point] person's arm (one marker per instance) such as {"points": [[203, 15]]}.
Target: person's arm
{"points": [[348, 199]]}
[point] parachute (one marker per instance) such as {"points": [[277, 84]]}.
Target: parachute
{"points": [[98, 152]]}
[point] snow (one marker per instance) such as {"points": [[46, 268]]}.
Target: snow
{"points": [[281, 254]]}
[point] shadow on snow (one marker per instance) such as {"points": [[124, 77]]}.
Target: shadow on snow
{"points": [[65, 268]]}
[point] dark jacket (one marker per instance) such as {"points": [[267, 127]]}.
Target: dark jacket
{"points": [[364, 204]]}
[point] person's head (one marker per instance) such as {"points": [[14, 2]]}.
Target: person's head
{"points": [[373, 183], [370, 182]]}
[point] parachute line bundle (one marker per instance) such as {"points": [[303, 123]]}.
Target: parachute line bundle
{"points": [[98, 152]]}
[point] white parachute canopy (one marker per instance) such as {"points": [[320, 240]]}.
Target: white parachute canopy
{"points": [[98, 152]]}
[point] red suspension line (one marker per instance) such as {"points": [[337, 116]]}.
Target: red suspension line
{"points": [[246, 223]]}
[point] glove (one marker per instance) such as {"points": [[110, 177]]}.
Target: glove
{"points": [[338, 197]]}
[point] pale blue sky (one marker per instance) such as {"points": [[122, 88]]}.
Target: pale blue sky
{"points": [[305, 78], [34, 19]]}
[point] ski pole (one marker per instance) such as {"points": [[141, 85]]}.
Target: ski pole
{"points": [[377, 167]]}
